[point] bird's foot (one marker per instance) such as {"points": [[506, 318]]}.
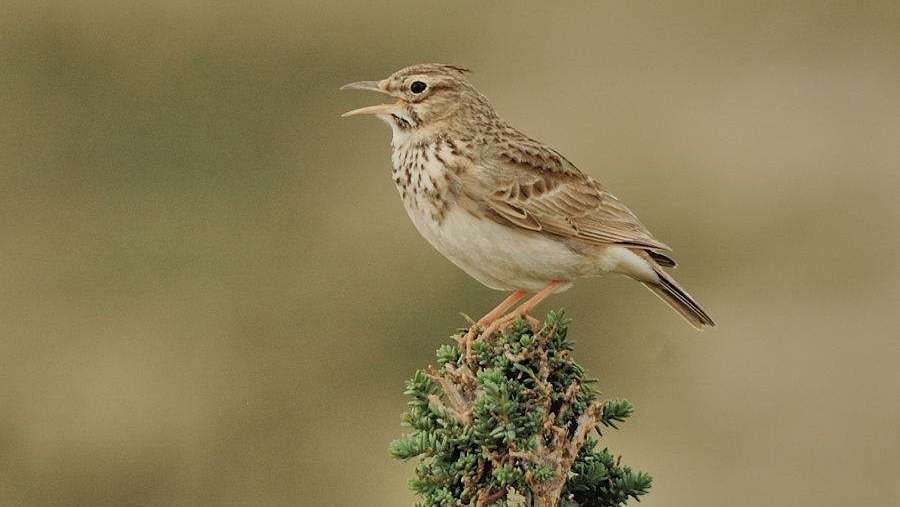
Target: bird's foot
{"points": [[499, 325], [495, 320], [481, 331], [510, 319], [487, 321]]}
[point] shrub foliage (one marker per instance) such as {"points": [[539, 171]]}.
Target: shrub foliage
{"points": [[511, 420]]}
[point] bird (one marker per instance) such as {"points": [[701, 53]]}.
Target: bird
{"points": [[510, 211]]}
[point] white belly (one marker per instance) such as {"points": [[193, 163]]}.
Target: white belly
{"points": [[502, 257]]}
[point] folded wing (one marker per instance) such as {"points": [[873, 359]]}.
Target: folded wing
{"points": [[536, 188]]}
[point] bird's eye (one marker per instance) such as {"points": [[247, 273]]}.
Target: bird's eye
{"points": [[417, 87]]}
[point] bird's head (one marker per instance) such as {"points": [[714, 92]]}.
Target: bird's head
{"points": [[427, 93]]}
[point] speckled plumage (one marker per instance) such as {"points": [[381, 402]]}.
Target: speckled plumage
{"points": [[507, 209]]}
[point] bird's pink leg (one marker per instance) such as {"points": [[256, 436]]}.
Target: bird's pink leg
{"points": [[502, 308], [524, 309], [489, 319]]}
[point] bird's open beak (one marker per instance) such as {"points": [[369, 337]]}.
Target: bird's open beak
{"points": [[395, 108], [363, 85], [374, 86]]}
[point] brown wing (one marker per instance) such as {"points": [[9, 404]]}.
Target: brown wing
{"points": [[536, 188]]}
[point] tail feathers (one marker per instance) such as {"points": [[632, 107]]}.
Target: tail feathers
{"points": [[677, 298]]}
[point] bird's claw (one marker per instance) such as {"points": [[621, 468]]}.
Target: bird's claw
{"points": [[493, 327]]}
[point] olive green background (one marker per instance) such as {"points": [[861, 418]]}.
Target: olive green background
{"points": [[210, 294]]}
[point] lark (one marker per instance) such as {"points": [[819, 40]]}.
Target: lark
{"points": [[508, 210]]}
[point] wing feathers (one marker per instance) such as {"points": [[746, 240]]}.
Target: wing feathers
{"points": [[534, 187], [515, 215]]}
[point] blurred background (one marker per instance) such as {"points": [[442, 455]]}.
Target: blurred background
{"points": [[210, 294]]}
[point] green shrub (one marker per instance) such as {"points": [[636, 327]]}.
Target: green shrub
{"points": [[510, 424]]}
